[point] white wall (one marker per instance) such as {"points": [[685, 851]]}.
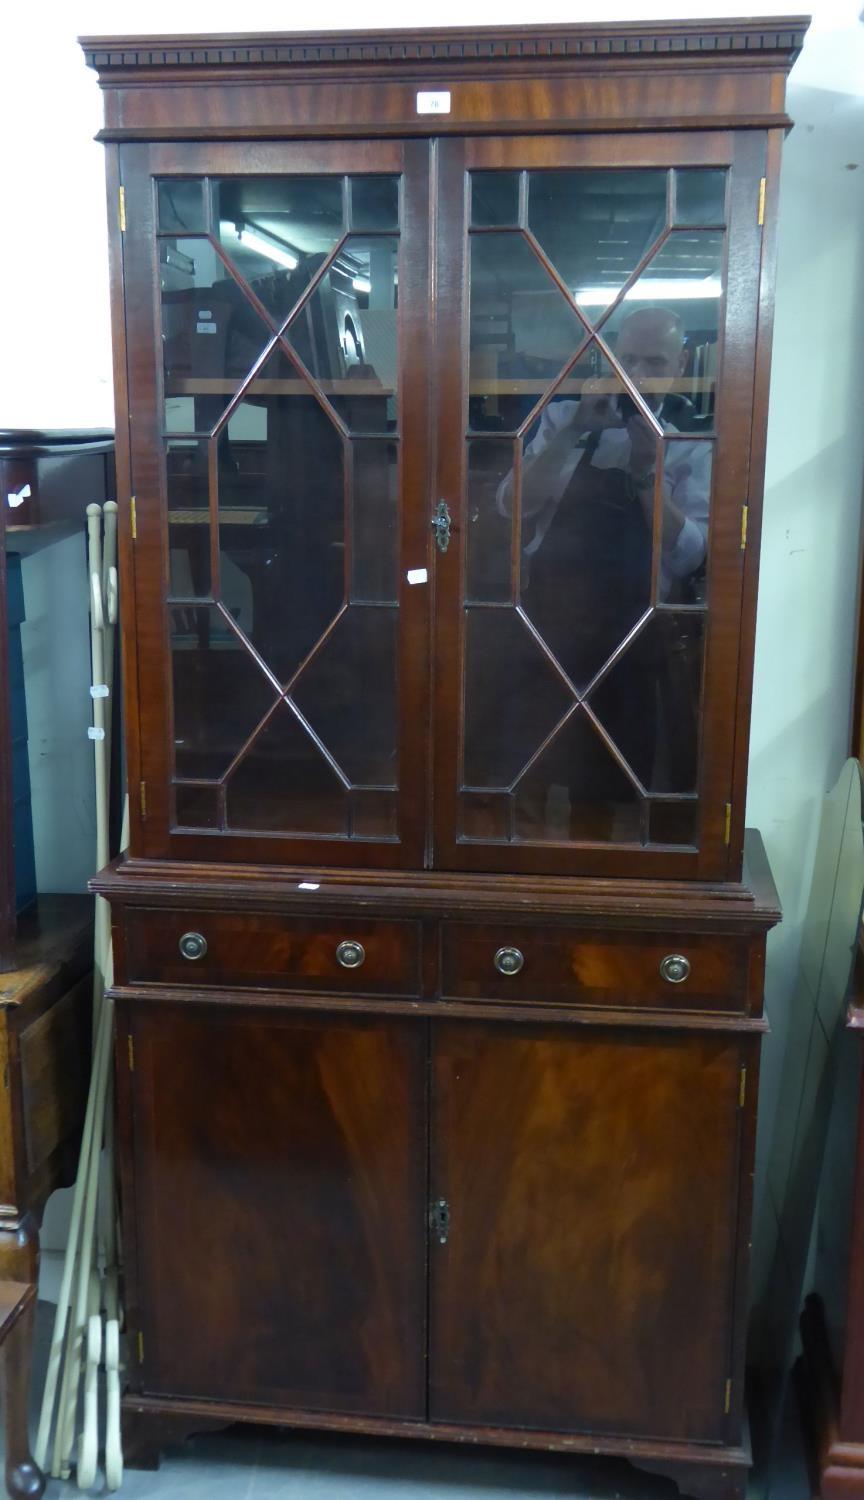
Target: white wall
{"points": [[56, 345]]}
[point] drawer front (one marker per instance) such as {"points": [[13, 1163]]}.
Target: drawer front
{"points": [[271, 951], [569, 966]]}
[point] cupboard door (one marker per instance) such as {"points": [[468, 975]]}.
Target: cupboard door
{"points": [[280, 1207], [276, 313], [598, 305], [586, 1282]]}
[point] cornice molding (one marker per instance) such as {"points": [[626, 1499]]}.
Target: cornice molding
{"points": [[781, 37]]}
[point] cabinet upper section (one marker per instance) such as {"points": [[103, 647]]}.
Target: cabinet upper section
{"points": [[444, 454], [668, 74]]}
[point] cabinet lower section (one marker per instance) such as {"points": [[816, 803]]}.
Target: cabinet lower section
{"points": [[447, 1214]]}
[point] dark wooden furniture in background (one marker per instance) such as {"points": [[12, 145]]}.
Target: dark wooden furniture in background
{"points": [[47, 478], [439, 952]]}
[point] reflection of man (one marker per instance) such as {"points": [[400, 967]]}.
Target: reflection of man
{"points": [[595, 430], [588, 493]]}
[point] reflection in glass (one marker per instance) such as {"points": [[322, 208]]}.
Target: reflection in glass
{"points": [[700, 196], [347, 693], [211, 333], [285, 784], [307, 577], [649, 701], [674, 822], [220, 693], [281, 514], [684, 283], [490, 461], [494, 198], [485, 815], [197, 806], [373, 814], [374, 521], [181, 205], [513, 697], [188, 494], [595, 226], [346, 333], [576, 790], [588, 493], [523, 331], [375, 203]]}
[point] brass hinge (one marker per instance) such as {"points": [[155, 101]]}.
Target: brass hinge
{"points": [[742, 1091], [760, 217], [122, 209], [130, 1046], [727, 831], [142, 799], [134, 516], [727, 1405], [141, 1351], [744, 513]]}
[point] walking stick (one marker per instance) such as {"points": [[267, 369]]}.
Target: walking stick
{"points": [[78, 1339]]}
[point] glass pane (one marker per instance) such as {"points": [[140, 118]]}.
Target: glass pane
{"points": [[347, 693], [211, 333], [494, 198], [523, 331], [513, 697], [650, 700], [346, 333], [284, 783], [700, 196], [674, 823], [220, 693], [181, 205], [375, 203], [188, 518], [277, 232], [490, 462], [374, 521], [588, 492], [687, 466], [374, 814], [596, 225], [486, 815], [576, 790], [197, 806], [281, 519], [666, 330]]}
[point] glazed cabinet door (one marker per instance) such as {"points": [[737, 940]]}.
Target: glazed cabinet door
{"points": [[276, 305], [598, 304], [279, 1169], [585, 1278]]}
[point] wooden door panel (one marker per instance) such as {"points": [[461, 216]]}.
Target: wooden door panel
{"points": [[587, 1279], [280, 1199]]}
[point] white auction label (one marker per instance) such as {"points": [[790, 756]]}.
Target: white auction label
{"points": [[417, 575], [433, 103]]}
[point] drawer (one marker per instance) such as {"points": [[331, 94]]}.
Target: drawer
{"points": [[569, 966], [271, 951]]}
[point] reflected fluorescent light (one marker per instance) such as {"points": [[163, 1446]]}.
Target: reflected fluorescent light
{"points": [[361, 284], [663, 289], [253, 239]]}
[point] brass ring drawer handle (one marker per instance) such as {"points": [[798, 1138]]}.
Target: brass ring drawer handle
{"points": [[350, 954], [193, 945], [509, 960], [675, 968]]}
